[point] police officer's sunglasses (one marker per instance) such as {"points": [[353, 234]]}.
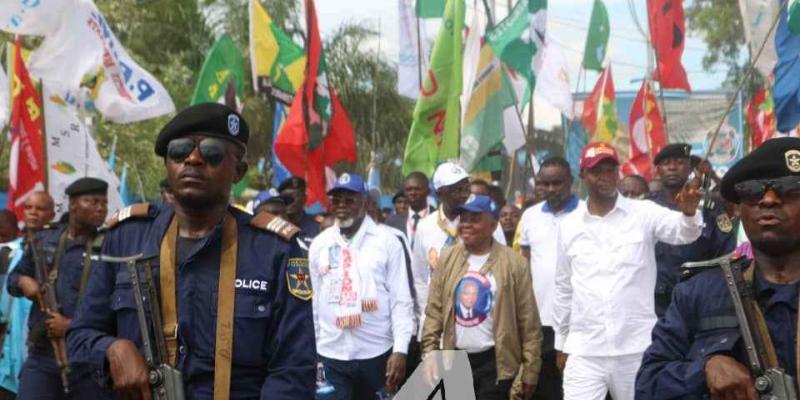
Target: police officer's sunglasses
{"points": [[212, 149], [752, 191]]}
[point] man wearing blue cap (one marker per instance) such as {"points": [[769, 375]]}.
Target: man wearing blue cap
{"points": [[362, 306], [481, 301], [272, 202]]}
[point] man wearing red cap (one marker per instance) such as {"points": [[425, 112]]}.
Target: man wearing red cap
{"points": [[605, 276]]}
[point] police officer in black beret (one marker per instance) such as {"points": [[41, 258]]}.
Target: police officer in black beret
{"points": [[697, 347], [62, 252], [673, 164], [295, 188], [233, 288]]}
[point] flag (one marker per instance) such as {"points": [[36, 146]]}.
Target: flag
{"points": [[413, 52], [647, 135], [72, 153], [553, 81], [430, 8], [786, 91], [599, 116], [30, 17], [793, 11], [487, 94], [757, 18], [434, 135], [279, 171], [597, 38], [222, 75], [761, 117], [317, 132], [112, 156], [276, 60], [83, 54], [668, 35], [124, 191], [519, 38], [5, 104], [26, 160]]}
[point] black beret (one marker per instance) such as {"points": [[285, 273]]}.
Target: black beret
{"points": [[87, 186], [775, 158], [207, 119], [674, 150], [294, 182]]}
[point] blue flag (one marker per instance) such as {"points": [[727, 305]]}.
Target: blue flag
{"points": [[279, 171], [124, 191], [112, 156], [786, 91]]}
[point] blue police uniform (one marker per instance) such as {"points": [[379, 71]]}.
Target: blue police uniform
{"points": [[701, 322], [309, 229], [274, 351], [718, 238], [40, 377]]}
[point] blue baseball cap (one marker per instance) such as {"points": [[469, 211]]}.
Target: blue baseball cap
{"points": [[270, 195], [349, 182], [479, 203]]}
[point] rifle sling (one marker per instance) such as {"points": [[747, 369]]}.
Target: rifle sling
{"points": [[223, 348], [59, 255], [761, 323]]}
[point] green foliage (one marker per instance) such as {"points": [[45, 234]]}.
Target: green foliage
{"points": [[720, 24]]}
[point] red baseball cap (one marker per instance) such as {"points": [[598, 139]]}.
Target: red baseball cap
{"points": [[593, 153]]}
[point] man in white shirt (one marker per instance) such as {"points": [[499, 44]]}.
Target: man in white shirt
{"points": [[438, 230], [605, 276], [362, 307], [538, 232]]}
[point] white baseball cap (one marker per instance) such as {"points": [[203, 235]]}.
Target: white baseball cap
{"points": [[447, 174]]}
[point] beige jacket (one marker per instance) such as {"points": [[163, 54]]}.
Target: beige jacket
{"points": [[517, 330]]}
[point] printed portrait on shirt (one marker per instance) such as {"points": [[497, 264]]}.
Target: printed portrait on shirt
{"points": [[473, 299]]}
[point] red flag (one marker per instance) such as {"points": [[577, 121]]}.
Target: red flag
{"points": [[647, 135], [761, 118], [317, 132], [668, 35], [26, 161], [599, 117]]}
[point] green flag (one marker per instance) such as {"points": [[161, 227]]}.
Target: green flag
{"points": [[518, 39], [597, 39], [434, 131], [222, 76], [793, 13], [430, 8]]}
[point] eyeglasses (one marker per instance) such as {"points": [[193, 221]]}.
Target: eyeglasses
{"points": [[212, 149], [752, 191], [343, 201]]}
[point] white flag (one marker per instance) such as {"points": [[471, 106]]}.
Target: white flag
{"points": [[5, 102], [84, 45], [412, 51], [757, 17], [552, 83], [31, 17], [72, 154], [470, 60]]}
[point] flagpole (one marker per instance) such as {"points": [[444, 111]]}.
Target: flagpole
{"points": [[419, 51], [45, 168], [375, 91]]}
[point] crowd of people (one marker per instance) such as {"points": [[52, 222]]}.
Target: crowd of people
{"points": [[562, 297]]}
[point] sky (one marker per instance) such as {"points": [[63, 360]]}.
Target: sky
{"points": [[568, 22]]}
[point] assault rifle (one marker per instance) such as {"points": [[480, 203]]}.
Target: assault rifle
{"points": [[771, 382], [166, 382]]}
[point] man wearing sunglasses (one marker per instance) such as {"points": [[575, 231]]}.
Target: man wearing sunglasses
{"points": [[233, 289], [697, 347], [363, 311], [674, 165]]}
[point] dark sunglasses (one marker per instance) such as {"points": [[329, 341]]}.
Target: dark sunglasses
{"points": [[212, 149], [752, 191], [344, 201]]}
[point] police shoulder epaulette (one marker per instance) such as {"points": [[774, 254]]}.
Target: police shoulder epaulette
{"points": [[275, 224], [139, 210], [691, 269]]}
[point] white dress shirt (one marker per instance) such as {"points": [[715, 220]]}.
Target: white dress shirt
{"points": [[391, 325], [429, 241], [606, 275], [538, 233]]}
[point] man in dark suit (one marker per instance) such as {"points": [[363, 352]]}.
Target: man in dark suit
{"points": [[416, 191]]}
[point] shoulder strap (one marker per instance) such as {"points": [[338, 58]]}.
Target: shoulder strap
{"points": [[139, 210], [92, 245], [275, 224], [57, 257]]}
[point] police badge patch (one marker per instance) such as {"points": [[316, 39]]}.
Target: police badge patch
{"points": [[793, 160], [298, 278], [724, 223]]}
